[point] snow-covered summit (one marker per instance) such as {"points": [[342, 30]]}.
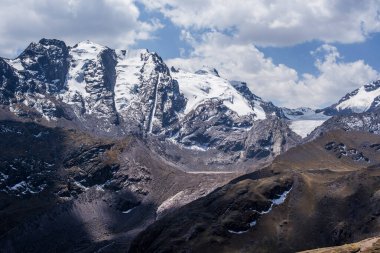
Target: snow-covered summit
{"points": [[82, 55], [206, 84], [87, 49], [363, 99]]}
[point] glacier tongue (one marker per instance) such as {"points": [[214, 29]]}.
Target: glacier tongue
{"points": [[304, 120], [304, 127]]}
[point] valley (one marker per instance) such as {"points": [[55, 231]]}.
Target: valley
{"points": [[112, 150]]}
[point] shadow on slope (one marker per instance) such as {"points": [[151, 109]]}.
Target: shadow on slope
{"points": [[332, 199]]}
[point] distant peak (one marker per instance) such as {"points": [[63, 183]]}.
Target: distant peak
{"points": [[55, 42], [372, 86], [207, 70]]}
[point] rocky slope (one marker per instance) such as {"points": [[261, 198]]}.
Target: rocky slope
{"points": [[366, 122], [65, 190], [319, 194]]}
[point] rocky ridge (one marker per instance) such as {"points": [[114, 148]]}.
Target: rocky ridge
{"points": [[117, 92]]}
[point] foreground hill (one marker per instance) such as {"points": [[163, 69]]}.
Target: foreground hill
{"points": [[371, 245], [322, 193], [65, 190]]}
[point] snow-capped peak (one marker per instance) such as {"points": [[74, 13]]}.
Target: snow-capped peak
{"points": [[206, 84], [80, 56], [362, 99], [87, 49]]}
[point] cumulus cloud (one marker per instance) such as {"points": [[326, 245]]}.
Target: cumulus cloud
{"points": [[114, 23], [225, 34], [278, 83], [276, 22]]}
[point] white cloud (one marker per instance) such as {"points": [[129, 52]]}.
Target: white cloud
{"points": [[336, 77], [114, 23], [221, 33], [278, 83], [276, 22], [224, 34]]}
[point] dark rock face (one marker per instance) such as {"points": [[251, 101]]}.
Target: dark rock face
{"points": [[46, 63], [35, 76], [271, 136], [366, 122], [372, 86], [168, 101], [153, 104], [342, 150], [268, 107], [9, 82], [204, 127]]}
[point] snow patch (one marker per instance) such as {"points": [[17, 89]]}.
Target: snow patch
{"points": [[238, 232], [16, 64], [38, 135], [129, 210], [280, 199]]}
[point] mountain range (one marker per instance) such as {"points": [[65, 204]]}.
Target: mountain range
{"points": [[107, 148]]}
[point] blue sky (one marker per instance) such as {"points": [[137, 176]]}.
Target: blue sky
{"points": [[168, 44], [299, 57], [292, 52]]}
